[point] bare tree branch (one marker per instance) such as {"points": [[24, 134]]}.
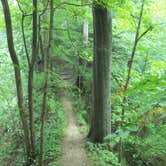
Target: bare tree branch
{"points": [[144, 33], [23, 32]]}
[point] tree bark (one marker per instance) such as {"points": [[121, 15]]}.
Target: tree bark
{"points": [[30, 79], [17, 71], [101, 122]]}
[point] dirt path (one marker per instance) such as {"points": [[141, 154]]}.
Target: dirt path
{"points": [[74, 153]]}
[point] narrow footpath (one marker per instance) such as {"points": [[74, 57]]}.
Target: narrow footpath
{"points": [[74, 153]]}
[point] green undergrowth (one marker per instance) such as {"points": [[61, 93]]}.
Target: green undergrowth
{"points": [[54, 130], [55, 121], [11, 135], [101, 155]]}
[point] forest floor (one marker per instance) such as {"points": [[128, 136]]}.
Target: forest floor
{"points": [[74, 153]]}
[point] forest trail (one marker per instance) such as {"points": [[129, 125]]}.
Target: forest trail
{"points": [[74, 153]]}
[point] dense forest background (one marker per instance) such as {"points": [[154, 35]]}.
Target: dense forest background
{"points": [[108, 56]]}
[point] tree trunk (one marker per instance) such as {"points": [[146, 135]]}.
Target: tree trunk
{"points": [[101, 122], [130, 64], [30, 79], [17, 75], [46, 70], [85, 32], [81, 61]]}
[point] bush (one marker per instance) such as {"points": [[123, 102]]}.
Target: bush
{"points": [[101, 155]]}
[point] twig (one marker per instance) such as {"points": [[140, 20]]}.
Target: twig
{"points": [[23, 32], [144, 33]]}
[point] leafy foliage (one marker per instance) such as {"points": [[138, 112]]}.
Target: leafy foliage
{"points": [[101, 155], [143, 132]]}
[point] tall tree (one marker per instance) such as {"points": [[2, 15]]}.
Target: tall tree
{"points": [[138, 37], [46, 70], [30, 77], [101, 120], [17, 71]]}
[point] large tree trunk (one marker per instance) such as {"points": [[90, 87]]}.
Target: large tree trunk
{"points": [[101, 122], [17, 75]]}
